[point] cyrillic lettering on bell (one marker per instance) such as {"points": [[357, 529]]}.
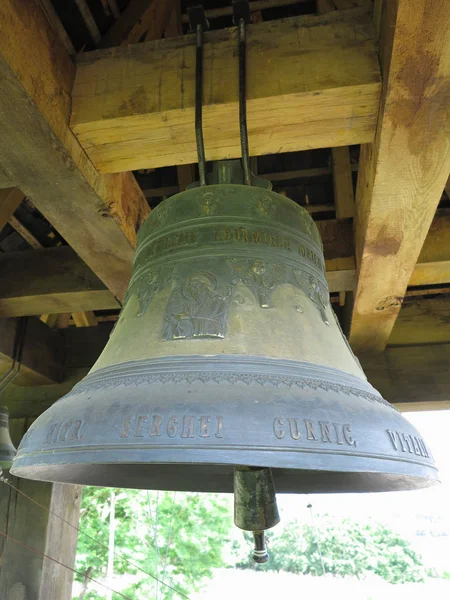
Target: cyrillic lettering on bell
{"points": [[180, 426], [188, 427], [67, 430], [405, 442], [172, 427], [295, 428]]}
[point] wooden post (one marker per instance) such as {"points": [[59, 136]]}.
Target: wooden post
{"points": [[24, 571]]}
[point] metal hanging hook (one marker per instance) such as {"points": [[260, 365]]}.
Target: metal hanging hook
{"points": [[241, 18], [199, 24]]}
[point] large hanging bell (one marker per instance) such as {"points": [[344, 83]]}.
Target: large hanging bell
{"points": [[7, 449], [226, 353]]}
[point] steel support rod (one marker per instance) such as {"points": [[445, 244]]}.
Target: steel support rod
{"points": [[243, 101], [199, 105]]}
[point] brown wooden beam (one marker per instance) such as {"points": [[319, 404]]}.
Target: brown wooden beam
{"points": [[49, 280], [313, 82], [10, 200], [402, 175], [97, 215], [411, 374], [136, 20], [43, 352]]}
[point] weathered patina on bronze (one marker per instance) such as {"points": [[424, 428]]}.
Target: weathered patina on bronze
{"points": [[227, 353]]}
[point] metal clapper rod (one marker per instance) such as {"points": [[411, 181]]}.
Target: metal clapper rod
{"points": [[199, 24]]}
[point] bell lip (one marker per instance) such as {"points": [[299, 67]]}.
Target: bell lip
{"points": [[356, 480]]}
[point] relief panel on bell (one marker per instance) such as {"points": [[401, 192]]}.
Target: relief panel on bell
{"points": [[199, 305]]}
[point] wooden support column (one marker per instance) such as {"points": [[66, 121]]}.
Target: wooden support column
{"points": [[25, 573], [403, 173]]}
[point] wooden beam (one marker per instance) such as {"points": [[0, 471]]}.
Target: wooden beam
{"points": [[411, 374], [32, 514], [344, 197], [84, 319], [134, 107], [49, 281], [89, 20], [403, 174], [43, 352], [140, 17], [97, 215], [24, 232], [6, 180], [56, 25], [447, 188], [10, 199], [255, 6], [433, 266], [422, 321]]}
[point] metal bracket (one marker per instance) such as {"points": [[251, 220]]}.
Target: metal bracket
{"points": [[197, 17], [241, 11]]}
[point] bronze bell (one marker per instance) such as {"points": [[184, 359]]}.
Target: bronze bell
{"points": [[7, 449], [227, 352]]}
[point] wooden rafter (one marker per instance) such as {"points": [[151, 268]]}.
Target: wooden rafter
{"points": [[43, 352], [97, 215], [403, 174], [140, 17], [10, 199], [50, 281], [134, 107]]}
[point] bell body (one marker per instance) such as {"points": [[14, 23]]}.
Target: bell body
{"points": [[7, 449], [227, 352]]}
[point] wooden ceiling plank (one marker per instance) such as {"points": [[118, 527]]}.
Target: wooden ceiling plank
{"points": [[97, 215], [140, 17], [133, 107], [43, 352], [402, 175], [344, 197], [50, 281], [10, 200]]}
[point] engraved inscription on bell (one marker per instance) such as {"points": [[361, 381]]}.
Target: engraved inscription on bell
{"points": [[405, 442], [314, 431], [180, 426]]}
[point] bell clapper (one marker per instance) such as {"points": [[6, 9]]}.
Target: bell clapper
{"points": [[260, 554], [255, 506]]}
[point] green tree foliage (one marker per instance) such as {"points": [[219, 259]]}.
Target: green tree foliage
{"points": [[340, 547], [178, 537]]}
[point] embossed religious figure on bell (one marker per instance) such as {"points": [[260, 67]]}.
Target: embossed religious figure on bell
{"points": [[197, 309]]}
